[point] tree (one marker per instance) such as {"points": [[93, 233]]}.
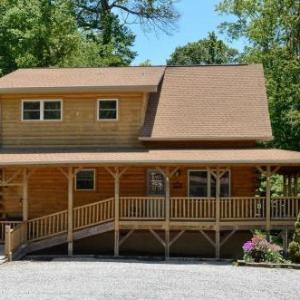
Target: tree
{"points": [[36, 33], [294, 246], [96, 14], [210, 50], [101, 21], [273, 31]]}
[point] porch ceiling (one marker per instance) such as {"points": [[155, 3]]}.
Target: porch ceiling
{"points": [[147, 156]]}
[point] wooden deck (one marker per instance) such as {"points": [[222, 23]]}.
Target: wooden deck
{"points": [[150, 213]]}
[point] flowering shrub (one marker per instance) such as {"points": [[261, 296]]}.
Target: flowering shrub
{"points": [[258, 249]]}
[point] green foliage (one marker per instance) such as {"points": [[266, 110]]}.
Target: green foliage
{"points": [[36, 33], [210, 50], [146, 63], [42, 33], [294, 246], [276, 185], [273, 31]]}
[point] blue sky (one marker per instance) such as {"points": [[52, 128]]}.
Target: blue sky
{"points": [[198, 17]]}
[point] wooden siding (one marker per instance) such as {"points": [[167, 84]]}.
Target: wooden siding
{"points": [[48, 188], [79, 126]]}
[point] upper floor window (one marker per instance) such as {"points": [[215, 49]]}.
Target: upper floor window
{"points": [[203, 184], [108, 109], [39, 110], [155, 183]]}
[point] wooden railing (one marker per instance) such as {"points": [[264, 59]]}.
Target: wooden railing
{"points": [[285, 208], [12, 224], [83, 216], [47, 226], [183, 208], [152, 208], [93, 214], [14, 239], [242, 208]]}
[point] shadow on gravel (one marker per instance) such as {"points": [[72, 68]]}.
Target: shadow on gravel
{"points": [[137, 259]]}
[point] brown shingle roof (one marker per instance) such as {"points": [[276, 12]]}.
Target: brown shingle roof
{"points": [[89, 79], [209, 102], [96, 156]]}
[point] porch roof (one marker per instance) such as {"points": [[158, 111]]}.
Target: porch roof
{"points": [[20, 157]]}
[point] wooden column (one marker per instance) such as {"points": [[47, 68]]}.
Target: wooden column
{"points": [[117, 212], [218, 188], [116, 174], [70, 211], [25, 196], [167, 229], [268, 200]]}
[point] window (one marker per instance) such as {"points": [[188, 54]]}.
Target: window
{"points": [[203, 184], [85, 180], [39, 110], [108, 109], [155, 183]]}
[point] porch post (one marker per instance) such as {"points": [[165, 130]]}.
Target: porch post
{"points": [[268, 200], [70, 211], [25, 196], [217, 233], [167, 231], [117, 205]]}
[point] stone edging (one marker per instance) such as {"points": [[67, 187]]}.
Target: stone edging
{"points": [[268, 265]]}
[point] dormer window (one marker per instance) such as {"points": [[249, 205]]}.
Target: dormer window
{"points": [[42, 110], [108, 109]]}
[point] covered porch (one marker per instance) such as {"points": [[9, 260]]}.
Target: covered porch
{"points": [[207, 197]]}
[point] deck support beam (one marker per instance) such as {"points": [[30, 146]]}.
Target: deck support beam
{"points": [[25, 195], [70, 211], [168, 174], [218, 173], [116, 173]]}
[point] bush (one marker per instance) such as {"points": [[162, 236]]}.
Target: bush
{"points": [[258, 249], [294, 246]]}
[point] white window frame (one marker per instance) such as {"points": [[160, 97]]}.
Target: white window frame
{"points": [[208, 181], [94, 183], [42, 102], [117, 110], [148, 190]]}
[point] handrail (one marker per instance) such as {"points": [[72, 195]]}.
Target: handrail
{"points": [[12, 224], [93, 213], [243, 208], [14, 239], [57, 223], [285, 208], [146, 208], [46, 226], [193, 208]]}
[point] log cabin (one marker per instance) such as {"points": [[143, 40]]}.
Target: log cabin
{"points": [[160, 160]]}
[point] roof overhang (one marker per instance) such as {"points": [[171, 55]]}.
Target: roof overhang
{"points": [[80, 89], [207, 138], [150, 157]]}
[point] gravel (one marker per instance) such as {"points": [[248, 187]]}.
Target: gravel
{"points": [[103, 279]]}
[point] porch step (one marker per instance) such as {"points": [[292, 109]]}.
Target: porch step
{"points": [[77, 235]]}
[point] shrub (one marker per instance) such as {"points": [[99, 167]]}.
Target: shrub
{"points": [[258, 249], [294, 246]]}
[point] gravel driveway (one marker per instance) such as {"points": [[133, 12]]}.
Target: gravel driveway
{"points": [[96, 279]]}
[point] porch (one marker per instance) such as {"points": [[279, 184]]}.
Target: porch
{"points": [[166, 217]]}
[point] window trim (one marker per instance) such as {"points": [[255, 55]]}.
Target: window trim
{"points": [[208, 181], [106, 100], [94, 181], [42, 102], [147, 183]]}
